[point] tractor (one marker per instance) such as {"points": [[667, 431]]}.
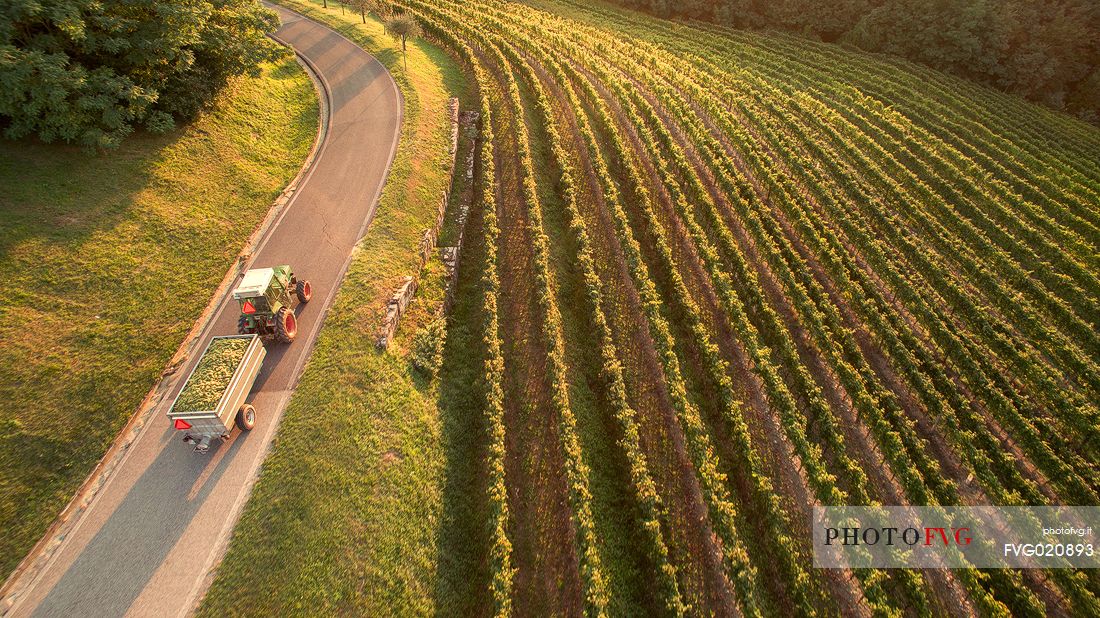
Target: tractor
{"points": [[265, 295]]}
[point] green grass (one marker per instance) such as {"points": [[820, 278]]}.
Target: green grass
{"points": [[348, 514], [108, 261]]}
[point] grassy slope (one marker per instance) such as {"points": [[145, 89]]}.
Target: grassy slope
{"points": [[346, 514], [107, 262]]}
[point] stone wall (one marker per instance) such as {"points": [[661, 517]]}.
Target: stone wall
{"points": [[450, 255], [400, 299]]}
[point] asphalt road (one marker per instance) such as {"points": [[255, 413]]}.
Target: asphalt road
{"points": [[147, 543]]}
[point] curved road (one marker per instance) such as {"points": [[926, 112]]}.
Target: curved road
{"points": [[149, 539]]}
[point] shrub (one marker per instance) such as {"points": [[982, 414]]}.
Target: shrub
{"points": [[427, 353]]}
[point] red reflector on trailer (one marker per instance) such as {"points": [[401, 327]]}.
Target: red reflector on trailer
{"points": [[182, 424], [247, 307]]}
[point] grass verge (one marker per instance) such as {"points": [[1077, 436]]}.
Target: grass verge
{"points": [[108, 261], [348, 515]]}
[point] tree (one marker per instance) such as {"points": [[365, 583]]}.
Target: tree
{"points": [[92, 71], [364, 7], [1041, 49], [402, 27]]}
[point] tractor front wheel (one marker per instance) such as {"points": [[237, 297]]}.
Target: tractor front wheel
{"points": [[286, 325], [304, 291], [246, 417]]}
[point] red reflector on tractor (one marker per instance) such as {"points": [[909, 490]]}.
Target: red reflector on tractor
{"points": [[247, 307], [182, 424]]}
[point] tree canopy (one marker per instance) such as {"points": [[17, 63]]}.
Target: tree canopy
{"points": [[92, 71], [401, 27], [1045, 50]]}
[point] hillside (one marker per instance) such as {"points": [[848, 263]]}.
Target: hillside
{"points": [[108, 261], [1047, 51], [719, 278]]}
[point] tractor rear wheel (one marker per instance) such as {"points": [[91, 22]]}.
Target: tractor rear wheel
{"points": [[286, 325], [246, 417], [304, 291]]}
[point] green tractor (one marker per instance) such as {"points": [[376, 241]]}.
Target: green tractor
{"points": [[265, 296]]}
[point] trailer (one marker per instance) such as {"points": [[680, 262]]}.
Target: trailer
{"points": [[204, 409]]}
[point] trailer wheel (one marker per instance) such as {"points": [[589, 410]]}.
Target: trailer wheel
{"points": [[286, 325], [304, 291], [246, 417]]}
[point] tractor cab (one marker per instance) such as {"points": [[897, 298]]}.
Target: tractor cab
{"points": [[266, 296]]}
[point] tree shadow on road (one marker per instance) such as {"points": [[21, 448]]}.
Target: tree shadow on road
{"points": [[118, 563]]}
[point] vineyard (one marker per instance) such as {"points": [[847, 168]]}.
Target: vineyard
{"points": [[730, 276], [722, 277]]}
